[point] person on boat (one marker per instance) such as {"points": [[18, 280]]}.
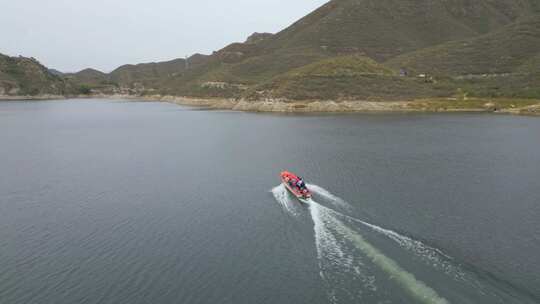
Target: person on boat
{"points": [[293, 182]]}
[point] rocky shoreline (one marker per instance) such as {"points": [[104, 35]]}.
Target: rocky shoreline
{"points": [[31, 97], [356, 106], [318, 106]]}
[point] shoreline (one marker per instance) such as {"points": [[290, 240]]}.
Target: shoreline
{"points": [[480, 105], [30, 97]]}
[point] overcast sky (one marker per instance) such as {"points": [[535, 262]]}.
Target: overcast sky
{"points": [[70, 35]]}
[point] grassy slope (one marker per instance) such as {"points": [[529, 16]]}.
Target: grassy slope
{"points": [[511, 49], [502, 63], [379, 29], [344, 78], [384, 28], [147, 72], [26, 76], [506, 60], [89, 77]]}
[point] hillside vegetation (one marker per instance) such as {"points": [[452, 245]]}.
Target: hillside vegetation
{"points": [[358, 50], [26, 76], [341, 78], [512, 49], [380, 30]]}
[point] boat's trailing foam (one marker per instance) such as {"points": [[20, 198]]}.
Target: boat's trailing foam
{"points": [[325, 222], [282, 197], [337, 263], [429, 255], [334, 200], [350, 264]]}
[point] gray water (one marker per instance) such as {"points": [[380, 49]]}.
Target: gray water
{"points": [[132, 202]]}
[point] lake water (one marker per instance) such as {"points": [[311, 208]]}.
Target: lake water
{"points": [[133, 202]]}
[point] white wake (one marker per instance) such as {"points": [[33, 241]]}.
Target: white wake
{"points": [[282, 196], [334, 200], [338, 264], [351, 267], [328, 247], [431, 256]]}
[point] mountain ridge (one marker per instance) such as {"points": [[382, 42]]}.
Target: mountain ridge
{"points": [[27, 76], [428, 47]]}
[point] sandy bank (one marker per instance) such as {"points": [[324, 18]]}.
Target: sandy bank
{"points": [[28, 97], [284, 106], [516, 107]]}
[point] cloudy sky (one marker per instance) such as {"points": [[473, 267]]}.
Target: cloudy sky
{"points": [[70, 35]]}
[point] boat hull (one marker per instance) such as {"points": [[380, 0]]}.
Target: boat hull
{"points": [[285, 177]]}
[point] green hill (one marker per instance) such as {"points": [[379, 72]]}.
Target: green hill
{"points": [[133, 77], [146, 72], [149, 73], [26, 76], [343, 78], [89, 76], [514, 48], [352, 65], [379, 29], [355, 49], [503, 63], [382, 29]]}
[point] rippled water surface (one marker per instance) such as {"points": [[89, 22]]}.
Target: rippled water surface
{"points": [[133, 202]]}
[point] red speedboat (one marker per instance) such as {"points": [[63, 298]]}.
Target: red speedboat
{"points": [[295, 185]]}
